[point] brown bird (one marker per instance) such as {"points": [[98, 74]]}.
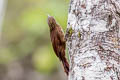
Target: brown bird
{"points": [[58, 42]]}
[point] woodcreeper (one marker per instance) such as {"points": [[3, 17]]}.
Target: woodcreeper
{"points": [[58, 42]]}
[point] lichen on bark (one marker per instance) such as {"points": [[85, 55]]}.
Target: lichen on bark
{"points": [[96, 54]]}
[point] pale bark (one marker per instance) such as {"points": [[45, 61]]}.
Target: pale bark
{"points": [[2, 13], [93, 39]]}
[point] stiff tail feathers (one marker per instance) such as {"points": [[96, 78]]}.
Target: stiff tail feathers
{"points": [[65, 65]]}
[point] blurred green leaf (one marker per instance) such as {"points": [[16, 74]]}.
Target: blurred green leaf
{"points": [[33, 21], [44, 60]]}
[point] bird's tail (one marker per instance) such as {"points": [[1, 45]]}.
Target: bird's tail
{"points": [[65, 65]]}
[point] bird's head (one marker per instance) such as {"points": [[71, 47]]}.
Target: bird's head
{"points": [[51, 22]]}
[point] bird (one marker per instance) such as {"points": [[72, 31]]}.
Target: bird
{"points": [[58, 42]]}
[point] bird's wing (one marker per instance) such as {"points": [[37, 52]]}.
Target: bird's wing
{"points": [[62, 44], [55, 43], [60, 35]]}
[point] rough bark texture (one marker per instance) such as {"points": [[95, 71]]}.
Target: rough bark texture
{"points": [[93, 39]]}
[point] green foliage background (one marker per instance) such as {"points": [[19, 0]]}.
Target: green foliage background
{"points": [[25, 31]]}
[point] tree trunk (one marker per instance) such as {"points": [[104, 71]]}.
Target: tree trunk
{"points": [[93, 39]]}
